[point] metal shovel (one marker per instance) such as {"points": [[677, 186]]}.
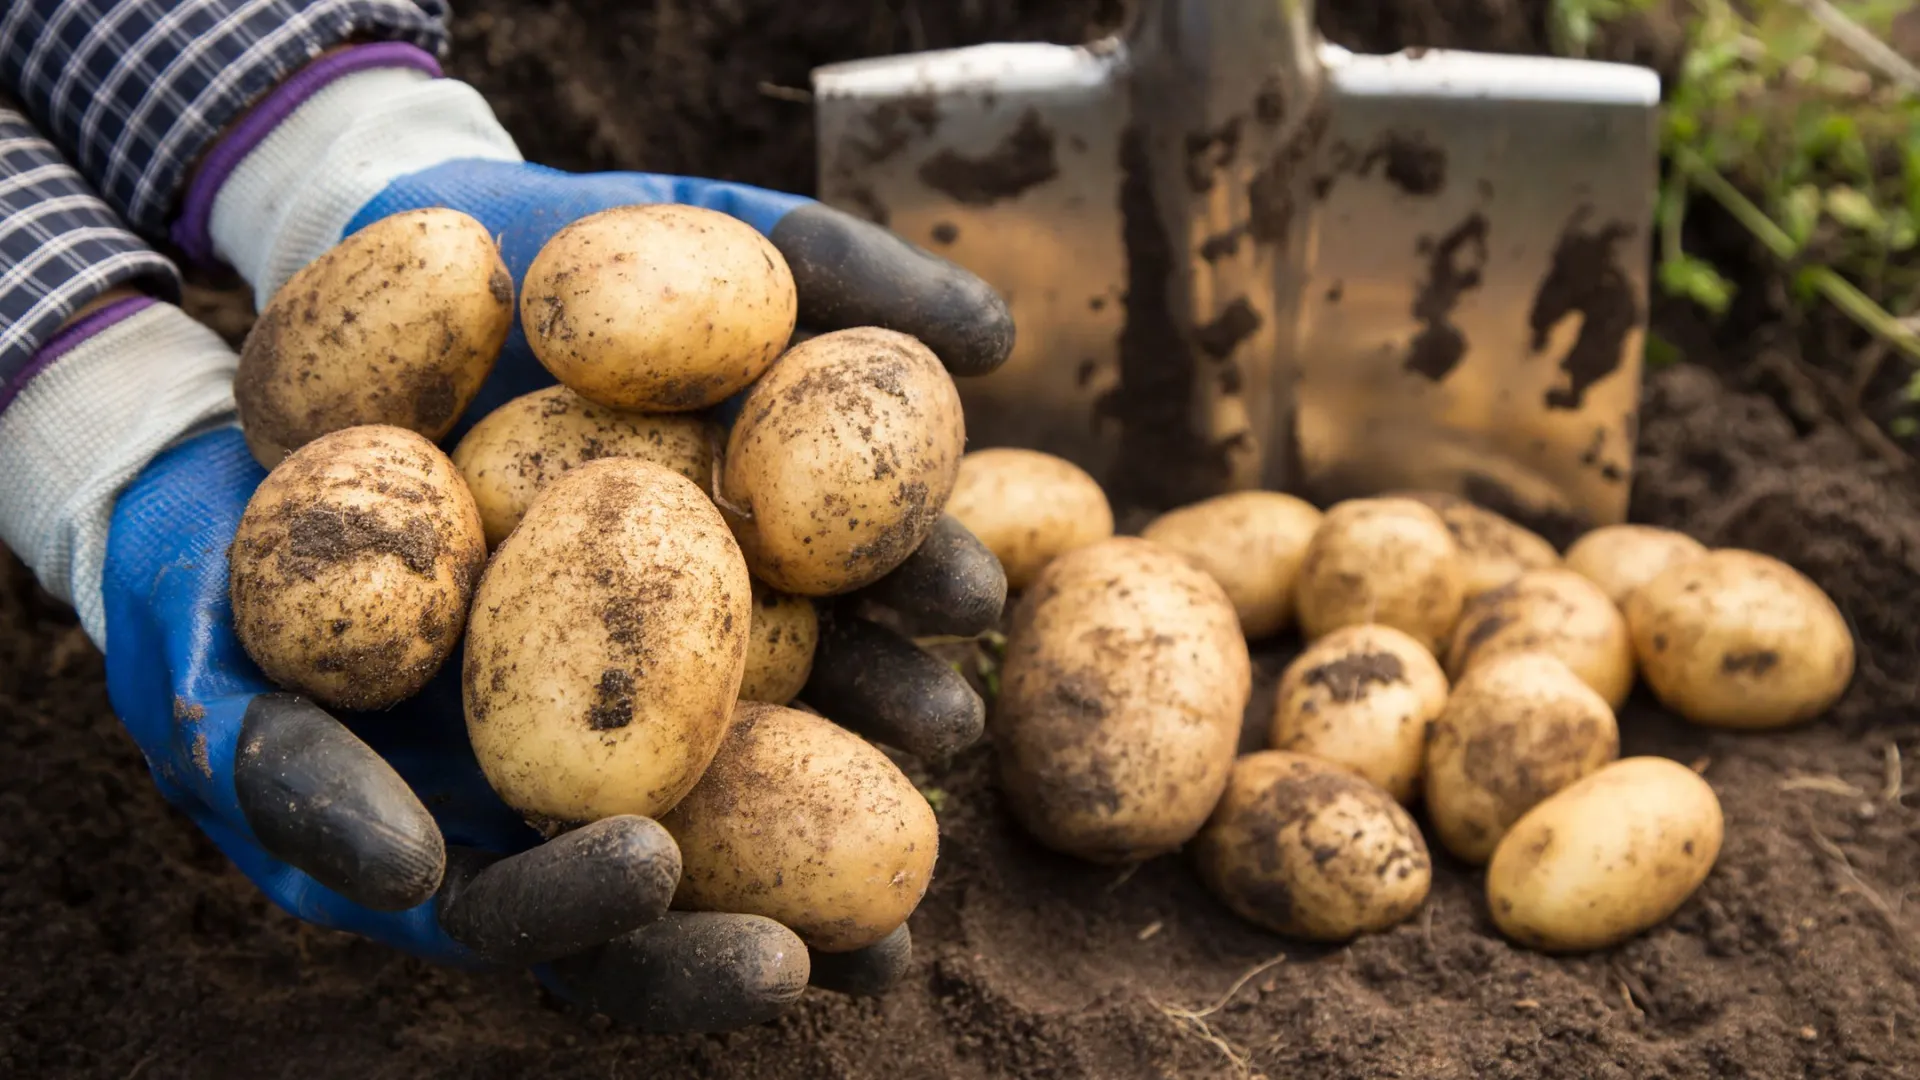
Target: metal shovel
{"points": [[1239, 256]]}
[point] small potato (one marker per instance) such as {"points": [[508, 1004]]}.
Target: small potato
{"points": [[397, 324], [1028, 507], [658, 308], [1307, 849], [353, 565], [1621, 558], [1362, 697], [516, 449], [1606, 858], [1556, 612], [1253, 543], [780, 644], [1120, 701], [841, 460], [1516, 729], [1386, 561], [1736, 639], [808, 824], [1493, 550], [608, 639]]}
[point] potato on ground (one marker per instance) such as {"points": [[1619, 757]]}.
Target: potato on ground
{"points": [[780, 643], [1304, 848], [841, 460], [1362, 697], [353, 565], [516, 449], [1606, 858], [1386, 561], [806, 823], [1621, 558], [397, 324], [1120, 701], [1737, 639], [1556, 612], [1253, 543], [1515, 730], [1028, 507], [607, 643], [1493, 549], [658, 308]]}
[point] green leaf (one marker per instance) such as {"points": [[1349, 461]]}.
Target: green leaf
{"points": [[936, 798], [1661, 353], [1848, 206], [1799, 212], [1913, 387], [1903, 427], [1697, 280]]}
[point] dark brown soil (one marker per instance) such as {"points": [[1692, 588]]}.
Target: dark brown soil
{"points": [[134, 951]]}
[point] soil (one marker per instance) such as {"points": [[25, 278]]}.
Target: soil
{"points": [[135, 951]]}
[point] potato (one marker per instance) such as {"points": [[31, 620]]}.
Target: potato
{"points": [[1556, 612], [607, 643], [1515, 730], [1606, 858], [1028, 507], [397, 324], [1253, 543], [1386, 561], [808, 824], [658, 308], [780, 644], [841, 460], [515, 449], [1736, 639], [1307, 849], [1621, 558], [1362, 697], [1493, 550], [352, 567], [1120, 701]]}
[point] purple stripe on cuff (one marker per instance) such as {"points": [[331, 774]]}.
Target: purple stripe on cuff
{"points": [[68, 339], [190, 231]]}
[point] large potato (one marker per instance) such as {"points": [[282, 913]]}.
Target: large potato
{"points": [[1307, 849], [397, 324], [806, 823], [1556, 612], [1120, 701], [1606, 858], [1362, 697], [841, 460], [606, 647], [658, 308], [516, 449], [1739, 640], [1028, 507], [1515, 730], [780, 644], [1253, 543], [1493, 549], [353, 565], [1387, 561], [1621, 558]]}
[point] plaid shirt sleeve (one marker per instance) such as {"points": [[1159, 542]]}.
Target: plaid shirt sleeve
{"points": [[136, 90], [60, 246]]}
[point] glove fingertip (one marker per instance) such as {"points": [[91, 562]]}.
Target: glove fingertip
{"points": [[691, 972], [868, 972], [883, 687], [951, 584]]}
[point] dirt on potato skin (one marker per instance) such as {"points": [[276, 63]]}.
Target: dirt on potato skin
{"points": [[136, 951]]}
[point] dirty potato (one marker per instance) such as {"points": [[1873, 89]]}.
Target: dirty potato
{"points": [[841, 460], [658, 308], [808, 824], [1557, 612], [1304, 848], [397, 324], [1253, 543], [1515, 730], [606, 647], [1362, 698], [515, 449], [1621, 558], [1607, 858], [1028, 507], [1737, 639], [353, 565], [780, 644], [1387, 561], [1493, 549], [1120, 701]]}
